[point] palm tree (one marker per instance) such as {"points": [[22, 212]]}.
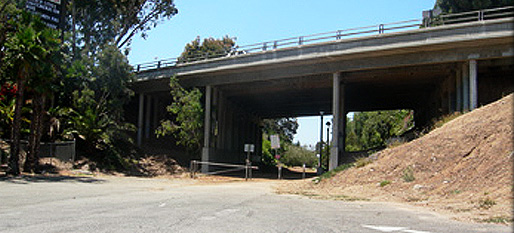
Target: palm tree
{"points": [[31, 51]]}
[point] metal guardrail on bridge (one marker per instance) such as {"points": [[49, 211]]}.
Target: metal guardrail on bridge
{"points": [[430, 21]]}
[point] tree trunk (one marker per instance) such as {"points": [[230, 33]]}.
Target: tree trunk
{"points": [[31, 164], [14, 161]]}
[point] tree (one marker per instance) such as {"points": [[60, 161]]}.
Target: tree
{"points": [[8, 10], [209, 48], [186, 122], [42, 86], [297, 156], [368, 130], [98, 22], [456, 6], [285, 127], [29, 55], [98, 89]]}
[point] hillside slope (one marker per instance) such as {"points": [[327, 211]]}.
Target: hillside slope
{"points": [[464, 168]]}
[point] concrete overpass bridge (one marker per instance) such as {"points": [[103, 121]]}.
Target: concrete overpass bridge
{"points": [[431, 70]]}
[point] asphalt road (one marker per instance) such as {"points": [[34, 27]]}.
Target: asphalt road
{"points": [[157, 205]]}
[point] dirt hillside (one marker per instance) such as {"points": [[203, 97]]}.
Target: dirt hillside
{"points": [[463, 169]]}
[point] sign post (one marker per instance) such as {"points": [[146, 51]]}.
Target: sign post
{"points": [[249, 148], [275, 144]]}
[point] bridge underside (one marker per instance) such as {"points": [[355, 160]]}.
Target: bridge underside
{"points": [[430, 90], [433, 72]]}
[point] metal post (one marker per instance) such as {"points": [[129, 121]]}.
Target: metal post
{"points": [[303, 173], [73, 150], [191, 168], [247, 173], [328, 139], [380, 29], [250, 169], [279, 171], [279, 166]]}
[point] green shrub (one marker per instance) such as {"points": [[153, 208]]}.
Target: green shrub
{"points": [[498, 219], [297, 156], [486, 203], [445, 119], [362, 161], [336, 170], [384, 183], [408, 174]]}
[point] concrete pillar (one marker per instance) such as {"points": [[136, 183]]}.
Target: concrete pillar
{"points": [[473, 85], [155, 120], [465, 87], [221, 121], [339, 121], [458, 90], [229, 131], [206, 151], [147, 116], [140, 119]]}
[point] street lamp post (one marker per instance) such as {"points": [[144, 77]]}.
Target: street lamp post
{"points": [[319, 170], [328, 139]]}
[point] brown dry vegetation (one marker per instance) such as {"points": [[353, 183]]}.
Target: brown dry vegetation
{"points": [[463, 169]]}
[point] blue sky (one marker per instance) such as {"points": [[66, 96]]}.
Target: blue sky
{"points": [[253, 21]]}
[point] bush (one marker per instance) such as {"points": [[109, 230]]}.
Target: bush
{"points": [[297, 156], [385, 183], [362, 161], [408, 174], [486, 203], [336, 170]]}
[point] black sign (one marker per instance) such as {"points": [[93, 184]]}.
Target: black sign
{"points": [[50, 11]]}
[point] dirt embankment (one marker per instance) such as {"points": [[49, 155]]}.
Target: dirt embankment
{"points": [[464, 169]]}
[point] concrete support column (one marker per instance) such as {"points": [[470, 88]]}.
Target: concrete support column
{"points": [[458, 90], [473, 85], [155, 120], [221, 121], [465, 87], [206, 151], [140, 119], [147, 116], [339, 121]]}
